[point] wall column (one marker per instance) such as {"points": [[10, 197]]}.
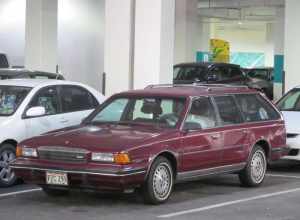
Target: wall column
{"points": [[154, 42], [279, 53], [41, 35], [291, 44]]}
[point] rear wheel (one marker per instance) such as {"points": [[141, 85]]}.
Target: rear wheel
{"points": [[254, 173], [54, 192], [159, 184], [7, 155]]}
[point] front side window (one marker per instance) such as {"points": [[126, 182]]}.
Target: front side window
{"points": [[11, 97], [201, 115], [260, 74], [290, 102], [75, 98], [47, 98], [159, 111], [228, 110], [255, 108]]}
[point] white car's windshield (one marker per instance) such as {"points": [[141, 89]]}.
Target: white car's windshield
{"points": [[144, 110], [10, 98], [290, 102]]}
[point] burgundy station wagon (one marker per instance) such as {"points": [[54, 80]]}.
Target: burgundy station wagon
{"points": [[153, 138]]}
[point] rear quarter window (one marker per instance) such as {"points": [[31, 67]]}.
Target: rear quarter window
{"points": [[255, 108]]}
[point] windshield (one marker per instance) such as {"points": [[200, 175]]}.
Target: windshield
{"points": [[290, 102], [149, 111], [192, 73], [10, 98]]}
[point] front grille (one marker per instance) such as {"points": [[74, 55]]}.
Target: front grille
{"points": [[64, 154]]}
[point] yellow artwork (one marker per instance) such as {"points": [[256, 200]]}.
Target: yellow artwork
{"points": [[220, 50]]}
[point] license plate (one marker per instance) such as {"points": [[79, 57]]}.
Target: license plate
{"points": [[57, 178]]}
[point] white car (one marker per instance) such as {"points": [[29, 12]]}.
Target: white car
{"points": [[289, 105], [30, 107]]}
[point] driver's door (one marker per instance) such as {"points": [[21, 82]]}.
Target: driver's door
{"points": [[202, 140], [52, 120]]}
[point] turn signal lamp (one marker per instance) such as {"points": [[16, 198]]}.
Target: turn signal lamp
{"points": [[19, 151], [122, 158]]}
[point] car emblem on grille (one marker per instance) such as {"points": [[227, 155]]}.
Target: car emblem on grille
{"points": [[79, 157]]}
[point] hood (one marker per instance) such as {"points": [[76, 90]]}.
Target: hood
{"points": [[292, 121], [5, 121], [104, 138]]}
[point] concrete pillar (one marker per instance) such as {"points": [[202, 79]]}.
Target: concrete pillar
{"points": [[291, 45], [279, 53], [41, 35], [118, 49], [204, 31], [154, 42], [269, 49], [186, 31]]}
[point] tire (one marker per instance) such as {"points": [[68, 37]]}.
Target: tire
{"points": [[7, 176], [54, 192], [254, 173], [159, 183]]}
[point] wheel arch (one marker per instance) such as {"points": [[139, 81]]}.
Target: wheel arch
{"points": [[171, 156], [265, 145], [10, 141]]}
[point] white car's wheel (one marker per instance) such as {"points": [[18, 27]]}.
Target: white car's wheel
{"points": [[7, 155]]}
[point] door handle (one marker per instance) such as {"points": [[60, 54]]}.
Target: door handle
{"points": [[215, 136]]}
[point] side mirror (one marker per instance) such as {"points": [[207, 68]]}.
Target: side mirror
{"points": [[36, 111]]}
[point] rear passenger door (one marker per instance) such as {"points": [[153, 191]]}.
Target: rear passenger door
{"points": [[201, 145], [235, 136], [77, 103]]}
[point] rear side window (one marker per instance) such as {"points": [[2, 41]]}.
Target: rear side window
{"points": [[75, 98], [255, 108], [228, 110]]}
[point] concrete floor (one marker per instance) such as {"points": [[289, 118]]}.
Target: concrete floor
{"points": [[219, 198]]}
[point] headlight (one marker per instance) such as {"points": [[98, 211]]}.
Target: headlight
{"points": [[26, 152], [103, 157], [121, 158]]}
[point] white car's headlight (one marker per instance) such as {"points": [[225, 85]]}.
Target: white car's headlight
{"points": [[29, 152], [103, 157]]}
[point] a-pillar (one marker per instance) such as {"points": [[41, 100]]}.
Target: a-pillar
{"points": [[292, 45], [279, 53], [41, 35], [153, 42]]}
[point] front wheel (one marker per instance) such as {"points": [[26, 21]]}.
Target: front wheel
{"points": [[7, 155], [159, 184], [254, 173]]}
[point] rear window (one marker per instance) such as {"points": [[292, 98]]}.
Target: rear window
{"points": [[256, 108]]}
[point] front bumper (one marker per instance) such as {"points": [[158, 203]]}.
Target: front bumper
{"points": [[293, 144], [84, 179]]}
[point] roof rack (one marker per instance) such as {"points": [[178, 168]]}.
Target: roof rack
{"points": [[208, 86]]}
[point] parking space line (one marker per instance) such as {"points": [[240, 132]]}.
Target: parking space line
{"points": [[205, 208], [283, 176], [20, 192]]}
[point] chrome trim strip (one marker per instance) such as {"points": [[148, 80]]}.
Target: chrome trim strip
{"points": [[181, 176], [130, 173]]}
